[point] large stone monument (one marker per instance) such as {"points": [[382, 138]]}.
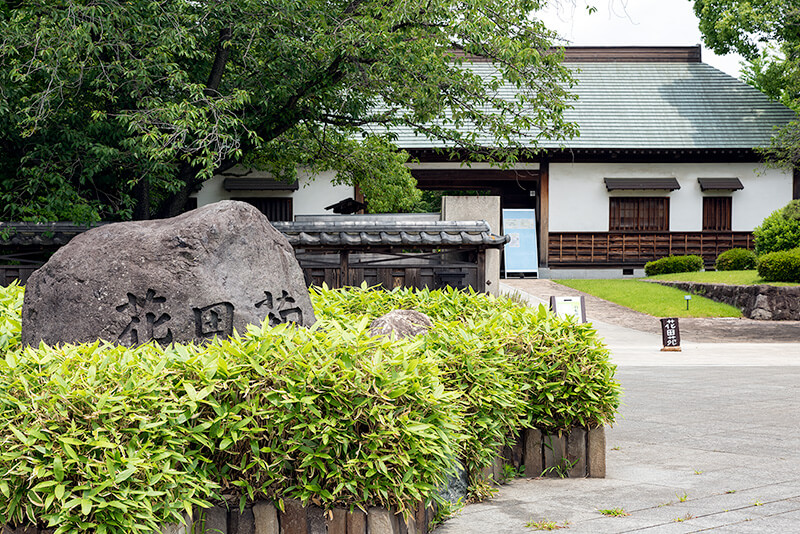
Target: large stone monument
{"points": [[190, 278]]}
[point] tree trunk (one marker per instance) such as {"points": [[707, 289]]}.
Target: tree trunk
{"points": [[175, 204], [141, 194]]}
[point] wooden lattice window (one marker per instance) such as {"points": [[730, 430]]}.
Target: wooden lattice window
{"points": [[638, 214], [717, 214], [275, 208]]}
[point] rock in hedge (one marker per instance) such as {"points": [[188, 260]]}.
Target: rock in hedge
{"points": [[189, 278], [404, 323]]}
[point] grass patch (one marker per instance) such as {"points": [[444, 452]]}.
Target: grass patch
{"points": [[614, 512], [652, 299], [545, 525], [739, 278]]}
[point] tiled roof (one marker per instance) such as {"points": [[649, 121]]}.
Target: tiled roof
{"points": [[381, 232], [655, 105], [361, 234], [39, 234]]}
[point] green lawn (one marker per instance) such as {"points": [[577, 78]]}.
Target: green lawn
{"points": [[653, 299], [742, 278]]}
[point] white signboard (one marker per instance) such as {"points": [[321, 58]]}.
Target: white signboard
{"points": [[521, 253], [565, 307]]}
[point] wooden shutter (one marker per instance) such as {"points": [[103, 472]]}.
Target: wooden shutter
{"points": [[638, 214], [275, 208], [717, 214]]}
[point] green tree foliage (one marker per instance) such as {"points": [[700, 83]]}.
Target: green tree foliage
{"points": [[118, 109], [767, 34]]}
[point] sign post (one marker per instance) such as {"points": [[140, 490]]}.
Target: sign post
{"points": [[670, 335], [565, 307]]}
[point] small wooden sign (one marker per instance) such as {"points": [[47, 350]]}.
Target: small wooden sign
{"points": [[565, 307], [670, 334]]}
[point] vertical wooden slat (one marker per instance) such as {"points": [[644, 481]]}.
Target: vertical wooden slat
{"points": [[344, 267], [544, 213], [576, 247], [385, 278]]}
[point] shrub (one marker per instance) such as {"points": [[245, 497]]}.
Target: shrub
{"points": [[10, 312], [674, 264], [736, 259], [780, 230], [103, 438], [337, 417], [535, 339], [781, 266]]}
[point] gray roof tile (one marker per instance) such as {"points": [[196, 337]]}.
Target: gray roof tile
{"points": [[655, 105], [360, 232]]}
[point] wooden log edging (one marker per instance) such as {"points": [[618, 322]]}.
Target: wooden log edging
{"points": [[577, 453], [264, 518]]}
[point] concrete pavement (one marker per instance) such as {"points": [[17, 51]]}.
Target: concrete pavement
{"points": [[707, 440]]}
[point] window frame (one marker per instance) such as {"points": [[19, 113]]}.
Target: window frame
{"points": [[642, 214], [717, 214], [270, 206]]}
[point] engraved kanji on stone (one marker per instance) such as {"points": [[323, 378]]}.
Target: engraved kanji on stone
{"points": [[143, 324], [281, 309], [214, 320]]}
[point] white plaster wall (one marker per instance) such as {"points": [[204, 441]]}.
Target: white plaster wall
{"points": [[579, 199], [314, 192]]}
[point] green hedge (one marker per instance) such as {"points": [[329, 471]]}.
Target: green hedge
{"points": [[781, 266], [780, 230], [736, 259], [674, 264], [109, 439]]}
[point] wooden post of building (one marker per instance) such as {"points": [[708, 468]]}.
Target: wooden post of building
{"points": [[796, 184], [544, 213]]}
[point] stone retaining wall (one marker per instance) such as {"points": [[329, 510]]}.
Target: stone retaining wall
{"points": [[769, 303]]}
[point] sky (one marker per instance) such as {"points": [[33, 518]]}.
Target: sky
{"points": [[632, 23]]}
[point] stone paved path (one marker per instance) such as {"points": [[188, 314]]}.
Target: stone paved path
{"points": [[707, 440]]}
